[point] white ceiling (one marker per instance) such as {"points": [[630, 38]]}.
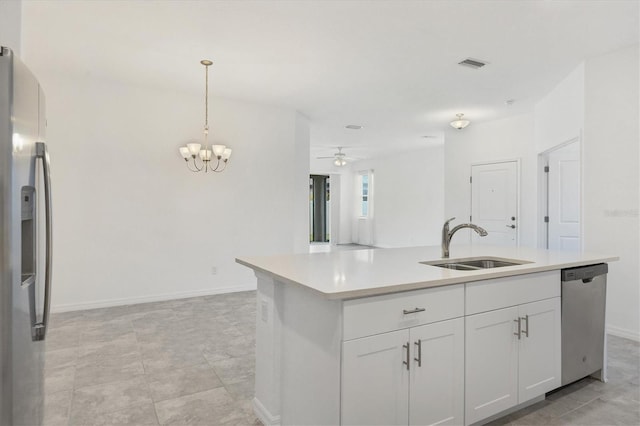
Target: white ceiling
{"points": [[390, 66]]}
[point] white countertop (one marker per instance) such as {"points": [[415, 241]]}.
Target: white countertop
{"points": [[347, 274]]}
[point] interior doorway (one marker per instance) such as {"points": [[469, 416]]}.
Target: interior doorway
{"points": [[319, 209], [561, 197], [495, 201]]}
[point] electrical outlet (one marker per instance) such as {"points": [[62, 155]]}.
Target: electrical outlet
{"points": [[214, 270]]}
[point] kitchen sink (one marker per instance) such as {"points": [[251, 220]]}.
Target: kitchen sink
{"points": [[475, 263]]}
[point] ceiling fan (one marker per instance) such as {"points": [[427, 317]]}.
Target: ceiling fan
{"points": [[339, 158]]}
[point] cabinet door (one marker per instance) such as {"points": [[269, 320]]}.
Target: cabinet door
{"points": [[375, 382], [437, 380], [540, 362], [491, 363]]}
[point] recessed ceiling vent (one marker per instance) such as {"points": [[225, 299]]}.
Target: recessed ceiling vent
{"points": [[473, 63]]}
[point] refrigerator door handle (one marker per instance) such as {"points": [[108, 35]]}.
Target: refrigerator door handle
{"points": [[42, 154]]}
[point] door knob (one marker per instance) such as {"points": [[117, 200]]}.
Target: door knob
{"points": [[511, 226]]}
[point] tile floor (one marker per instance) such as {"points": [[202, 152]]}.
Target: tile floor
{"points": [[191, 361], [187, 361]]}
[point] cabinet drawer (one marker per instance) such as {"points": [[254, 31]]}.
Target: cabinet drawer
{"points": [[482, 296], [380, 314]]}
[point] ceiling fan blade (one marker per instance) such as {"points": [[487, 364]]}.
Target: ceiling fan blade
{"points": [[322, 158]]}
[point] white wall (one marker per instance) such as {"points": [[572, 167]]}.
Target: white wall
{"points": [[132, 223], [10, 25], [559, 116], [408, 197], [300, 184], [506, 139], [611, 180]]}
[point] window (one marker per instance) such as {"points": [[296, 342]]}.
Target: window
{"points": [[365, 193]]}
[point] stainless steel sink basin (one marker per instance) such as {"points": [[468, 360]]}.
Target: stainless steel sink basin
{"points": [[475, 263]]}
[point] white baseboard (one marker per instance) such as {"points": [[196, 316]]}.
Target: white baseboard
{"points": [[264, 415], [623, 332], [147, 299]]}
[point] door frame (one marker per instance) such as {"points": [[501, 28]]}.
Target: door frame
{"points": [[543, 191], [516, 160], [325, 220]]}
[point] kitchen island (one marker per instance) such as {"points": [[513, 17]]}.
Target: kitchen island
{"points": [[374, 336]]}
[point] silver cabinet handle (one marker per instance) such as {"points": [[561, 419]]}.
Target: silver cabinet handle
{"points": [[40, 330], [413, 311], [519, 333], [407, 359], [418, 343], [526, 320]]}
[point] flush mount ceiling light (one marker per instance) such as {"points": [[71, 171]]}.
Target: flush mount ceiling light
{"points": [[459, 123], [353, 126], [198, 156]]}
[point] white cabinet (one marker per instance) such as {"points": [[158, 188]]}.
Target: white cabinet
{"points": [[375, 383], [411, 376], [491, 364], [512, 355], [540, 362], [436, 393]]}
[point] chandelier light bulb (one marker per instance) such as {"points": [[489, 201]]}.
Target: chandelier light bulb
{"points": [[218, 150], [194, 148], [184, 151]]}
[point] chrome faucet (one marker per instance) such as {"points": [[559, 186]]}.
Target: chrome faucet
{"points": [[446, 234]]}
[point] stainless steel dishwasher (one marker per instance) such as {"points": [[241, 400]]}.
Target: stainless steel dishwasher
{"points": [[584, 292]]}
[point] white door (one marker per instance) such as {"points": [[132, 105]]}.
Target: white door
{"points": [[437, 374], [494, 202], [540, 345], [564, 198], [491, 370], [375, 380]]}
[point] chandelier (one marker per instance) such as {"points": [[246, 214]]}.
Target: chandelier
{"points": [[200, 157]]}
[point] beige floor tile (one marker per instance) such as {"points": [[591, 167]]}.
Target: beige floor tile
{"points": [[90, 401], [136, 415], [61, 358], [171, 359], [56, 408], [62, 338], [59, 379], [235, 370], [108, 369], [181, 382], [212, 407]]}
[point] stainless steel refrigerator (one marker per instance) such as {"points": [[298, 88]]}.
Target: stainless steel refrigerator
{"points": [[25, 243]]}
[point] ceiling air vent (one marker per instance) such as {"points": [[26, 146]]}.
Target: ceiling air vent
{"points": [[472, 63]]}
